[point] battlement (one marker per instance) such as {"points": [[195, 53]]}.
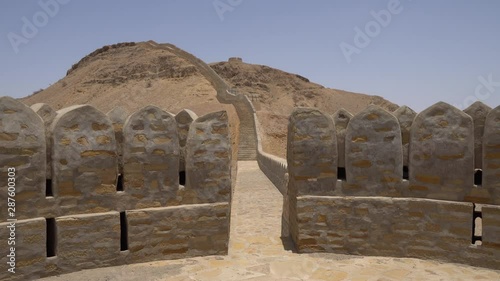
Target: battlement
{"points": [[399, 184], [235, 59], [95, 190]]}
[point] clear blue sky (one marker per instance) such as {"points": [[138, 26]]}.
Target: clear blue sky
{"points": [[428, 51]]}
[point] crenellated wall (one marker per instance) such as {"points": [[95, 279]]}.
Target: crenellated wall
{"points": [[113, 193], [412, 184]]}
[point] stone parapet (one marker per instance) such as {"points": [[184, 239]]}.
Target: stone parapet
{"points": [[413, 186], [113, 194]]}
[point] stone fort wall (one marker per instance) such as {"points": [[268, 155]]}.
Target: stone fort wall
{"points": [[95, 190], [396, 184]]}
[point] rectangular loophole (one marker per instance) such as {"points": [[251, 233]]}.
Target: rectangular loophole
{"points": [[478, 177], [51, 237], [119, 183], [341, 174], [477, 225], [182, 178], [406, 173], [48, 188], [123, 232]]}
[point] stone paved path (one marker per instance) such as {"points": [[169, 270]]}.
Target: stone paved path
{"points": [[256, 253]]}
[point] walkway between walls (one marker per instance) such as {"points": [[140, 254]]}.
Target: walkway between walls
{"points": [[256, 252]]}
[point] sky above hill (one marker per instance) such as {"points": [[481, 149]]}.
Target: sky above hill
{"points": [[409, 52]]}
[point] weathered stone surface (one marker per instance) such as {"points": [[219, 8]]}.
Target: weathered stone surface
{"points": [[405, 116], [88, 241], [374, 154], [48, 114], [30, 251], [86, 231], [208, 160], [311, 153], [151, 158], [491, 229], [491, 155], [45, 111], [478, 111], [178, 232], [118, 116], [184, 119], [341, 119], [441, 154], [23, 153], [399, 227], [84, 161]]}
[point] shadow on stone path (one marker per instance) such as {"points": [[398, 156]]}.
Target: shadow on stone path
{"points": [[256, 252]]}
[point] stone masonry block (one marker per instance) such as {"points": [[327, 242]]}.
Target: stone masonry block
{"points": [[184, 119], [478, 111], [208, 160], [84, 161], [374, 154], [47, 114], [405, 116], [30, 251], [312, 152], [178, 232], [118, 116], [23, 154], [491, 155], [88, 241], [441, 154], [341, 119], [151, 158]]}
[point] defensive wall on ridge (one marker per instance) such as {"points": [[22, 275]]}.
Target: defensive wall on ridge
{"points": [[396, 184], [95, 190]]}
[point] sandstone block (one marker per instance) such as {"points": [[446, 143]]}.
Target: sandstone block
{"points": [[81, 164], [375, 161], [151, 167], [206, 157], [312, 152], [442, 153], [22, 159]]}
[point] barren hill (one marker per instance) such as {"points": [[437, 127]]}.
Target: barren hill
{"points": [[275, 93], [133, 75]]}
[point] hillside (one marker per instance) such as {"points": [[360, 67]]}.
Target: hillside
{"points": [[275, 93], [133, 75]]}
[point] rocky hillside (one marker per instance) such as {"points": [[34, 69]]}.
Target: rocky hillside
{"points": [[133, 75], [275, 93]]}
